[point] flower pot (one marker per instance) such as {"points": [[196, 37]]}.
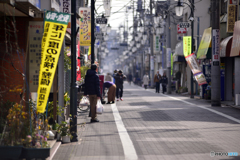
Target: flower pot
{"points": [[38, 153], [66, 139], [58, 137], [10, 152]]}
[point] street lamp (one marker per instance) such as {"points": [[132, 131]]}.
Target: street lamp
{"points": [[179, 12], [179, 9]]}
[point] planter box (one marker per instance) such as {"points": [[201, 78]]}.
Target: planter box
{"points": [[10, 152], [66, 139], [30, 153]]}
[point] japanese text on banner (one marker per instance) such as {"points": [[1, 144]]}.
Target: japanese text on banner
{"points": [[54, 31], [85, 26]]}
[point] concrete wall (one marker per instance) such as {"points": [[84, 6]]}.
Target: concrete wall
{"points": [[237, 75]]}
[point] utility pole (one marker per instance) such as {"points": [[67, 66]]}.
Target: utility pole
{"points": [[92, 31], [215, 65], [192, 29], [73, 96], [169, 52], [151, 46]]}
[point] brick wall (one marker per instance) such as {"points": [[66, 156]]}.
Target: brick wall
{"points": [[10, 78]]}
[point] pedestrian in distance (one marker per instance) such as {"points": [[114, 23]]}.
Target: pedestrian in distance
{"points": [[157, 80], [119, 83], [108, 77], [111, 91], [145, 80], [129, 78], [92, 88], [164, 82], [114, 74]]}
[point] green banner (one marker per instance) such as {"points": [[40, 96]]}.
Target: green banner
{"points": [[205, 43]]}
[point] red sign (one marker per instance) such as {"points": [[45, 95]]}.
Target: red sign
{"points": [[181, 30], [79, 63]]}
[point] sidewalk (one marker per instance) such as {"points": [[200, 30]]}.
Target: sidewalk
{"points": [[159, 127]]}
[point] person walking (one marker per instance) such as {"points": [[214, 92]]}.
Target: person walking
{"points": [[145, 80], [92, 88], [157, 80], [164, 82], [129, 78], [119, 83], [111, 91], [114, 74], [108, 77]]}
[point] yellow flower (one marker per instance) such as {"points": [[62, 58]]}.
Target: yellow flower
{"points": [[39, 127]]}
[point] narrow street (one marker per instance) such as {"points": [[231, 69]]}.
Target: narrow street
{"points": [[151, 126]]}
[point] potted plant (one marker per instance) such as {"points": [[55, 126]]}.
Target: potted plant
{"points": [[65, 133], [15, 126]]}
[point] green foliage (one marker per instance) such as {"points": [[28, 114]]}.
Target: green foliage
{"points": [[64, 129], [84, 71], [67, 60], [66, 99], [60, 110]]}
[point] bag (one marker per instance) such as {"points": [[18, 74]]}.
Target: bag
{"points": [[84, 102], [99, 107]]}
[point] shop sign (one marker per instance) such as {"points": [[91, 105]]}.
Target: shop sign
{"points": [[55, 27], [187, 45], [169, 52], [216, 47], [232, 16], [152, 63], [156, 44], [66, 8], [36, 3], [205, 43], [85, 26], [181, 29], [35, 37], [236, 40], [196, 70]]}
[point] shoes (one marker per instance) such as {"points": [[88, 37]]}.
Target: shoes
{"points": [[117, 99], [121, 99], [94, 120], [113, 102], [108, 103]]}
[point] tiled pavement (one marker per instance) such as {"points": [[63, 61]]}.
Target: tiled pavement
{"points": [[159, 127]]}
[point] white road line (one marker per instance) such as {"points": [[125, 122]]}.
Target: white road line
{"points": [[209, 109], [128, 147]]}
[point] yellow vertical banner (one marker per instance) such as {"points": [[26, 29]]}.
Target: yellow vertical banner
{"points": [[187, 45], [54, 31], [85, 26]]}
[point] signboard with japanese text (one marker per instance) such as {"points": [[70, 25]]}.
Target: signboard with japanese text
{"points": [[35, 39], [156, 44], [187, 45], [66, 8], [195, 68], [216, 47], [101, 20], [181, 30], [232, 16], [205, 43], [169, 53], [236, 40], [55, 27], [85, 26]]}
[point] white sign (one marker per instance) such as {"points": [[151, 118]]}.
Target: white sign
{"points": [[216, 46], [35, 39], [169, 57], [55, 5], [181, 30], [65, 6], [152, 63]]}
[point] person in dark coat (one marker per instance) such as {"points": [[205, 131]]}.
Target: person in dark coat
{"points": [[92, 88], [129, 77], [164, 82], [119, 83]]}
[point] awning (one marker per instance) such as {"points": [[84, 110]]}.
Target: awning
{"points": [[205, 44], [225, 47], [179, 49], [235, 41]]}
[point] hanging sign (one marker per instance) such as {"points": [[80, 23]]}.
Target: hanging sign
{"points": [[181, 29], [54, 32], [85, 26], [195, 68], [216, 47], [232, 16], [187, 45]]}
